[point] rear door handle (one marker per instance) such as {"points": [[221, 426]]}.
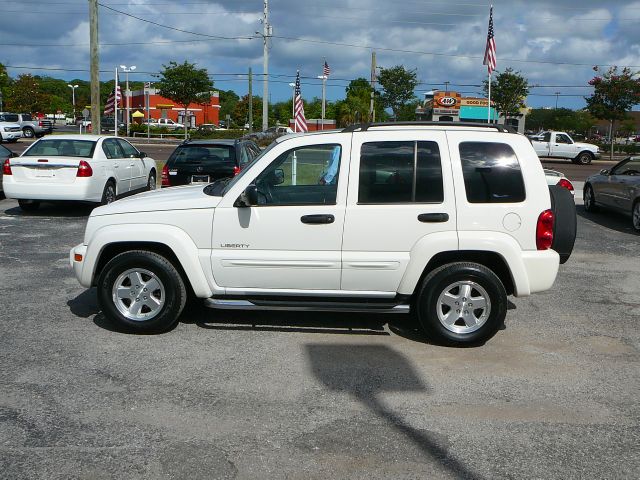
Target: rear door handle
{"points": [[317, 219], [433, 217]]}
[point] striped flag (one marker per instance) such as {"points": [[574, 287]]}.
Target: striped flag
{"points": [[490, 51], [326, 71], [299, 121], [109, 107]]}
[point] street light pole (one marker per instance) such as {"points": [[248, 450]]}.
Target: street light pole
{"points": [[73, 99], [126, 70]]}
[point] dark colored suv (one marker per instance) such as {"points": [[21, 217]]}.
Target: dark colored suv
{"points": [[195, 161]]}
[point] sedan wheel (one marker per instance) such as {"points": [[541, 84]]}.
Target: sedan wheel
{"points": [[589, 199], [151, 184], [109, 194], [635, 216]]}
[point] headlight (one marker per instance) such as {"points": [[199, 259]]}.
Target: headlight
{"points": [[7, 129]]}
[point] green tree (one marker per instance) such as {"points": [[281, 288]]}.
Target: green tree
{"points": [[615, 92], [508, 92], [5, 84], [184, 84], [240, 114], [25, 95], [399, 85], [228, 101]]}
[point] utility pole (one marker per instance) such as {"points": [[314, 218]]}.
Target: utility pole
{"points": [[95, 66], [557, 93], [267, 31], [250, 101], [372, 112]]}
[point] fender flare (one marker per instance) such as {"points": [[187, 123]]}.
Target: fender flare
{"points": [[172, 237]]}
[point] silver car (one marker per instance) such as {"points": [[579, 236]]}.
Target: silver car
{"points": [[616, 189]]}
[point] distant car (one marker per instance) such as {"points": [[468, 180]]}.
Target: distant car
{"points": [[554, 177], [616, 189], [88, 168], [5, 154], [10, 132], [203, 161], [31, 127]]}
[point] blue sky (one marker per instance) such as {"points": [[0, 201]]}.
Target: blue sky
{"points": [[554, 44]]}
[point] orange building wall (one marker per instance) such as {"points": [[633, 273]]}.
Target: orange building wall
{"points": [[208, 113]]}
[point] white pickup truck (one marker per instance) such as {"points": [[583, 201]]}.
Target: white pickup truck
{"points": [[561, 145]]}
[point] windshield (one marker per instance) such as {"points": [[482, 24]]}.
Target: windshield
{"points": [[61, 148], [202, 155], [247, 168]]}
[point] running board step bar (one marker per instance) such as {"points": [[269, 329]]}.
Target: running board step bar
{"points": [[229, 304]]}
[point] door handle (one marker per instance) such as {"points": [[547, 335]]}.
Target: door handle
{"points": [[317, 219], [433, 217], [116, 166]]}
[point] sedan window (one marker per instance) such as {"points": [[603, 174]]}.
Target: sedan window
{"points": [[61, 148]]}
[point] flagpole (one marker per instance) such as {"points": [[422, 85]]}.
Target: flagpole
{"points": [[115, 99], [489, 105]]}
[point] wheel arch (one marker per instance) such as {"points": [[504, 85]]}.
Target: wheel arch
{"points": [[175, 245], [492, 260]]}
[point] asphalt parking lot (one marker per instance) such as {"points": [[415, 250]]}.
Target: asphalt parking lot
{"points": [[315, 396]]}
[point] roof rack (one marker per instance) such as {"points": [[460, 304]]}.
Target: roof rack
{"points": [[363, 127]]}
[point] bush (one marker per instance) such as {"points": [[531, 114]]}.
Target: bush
{"points": [[216, 134]]}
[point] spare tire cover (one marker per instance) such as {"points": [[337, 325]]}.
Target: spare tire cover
{"points": [[565, 224]]}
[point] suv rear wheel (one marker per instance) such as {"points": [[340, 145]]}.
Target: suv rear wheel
{"points": [[141, 291], [461, 304]]}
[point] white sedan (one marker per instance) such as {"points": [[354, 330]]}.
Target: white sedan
{"points": [[89, 168]]}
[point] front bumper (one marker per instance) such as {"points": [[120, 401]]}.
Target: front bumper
{"points": [[11, 135]]}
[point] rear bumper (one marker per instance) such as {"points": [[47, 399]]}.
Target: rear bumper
{"points": [[82, 189], [541, 269]]}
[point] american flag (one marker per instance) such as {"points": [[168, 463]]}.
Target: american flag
{"points": [[109, 107], [490, 51], [299, 121], [326, 71]]}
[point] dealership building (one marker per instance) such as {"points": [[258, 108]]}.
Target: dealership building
{"points": [[161, 107], [449, 106]]}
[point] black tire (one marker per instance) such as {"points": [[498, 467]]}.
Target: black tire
{"points": [[152, 183], [584, 158], [28, 132], [29, 205], [565, 223], [635, 216], [171, 293], [589, 199], [109, 193], [444, 279]]}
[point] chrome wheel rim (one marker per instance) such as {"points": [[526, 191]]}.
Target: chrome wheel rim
{"points": [[152, 182], [463, 307], [636, 216], [138, 294]]}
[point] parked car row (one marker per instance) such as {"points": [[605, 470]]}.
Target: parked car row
{"points": [[30, 127]]}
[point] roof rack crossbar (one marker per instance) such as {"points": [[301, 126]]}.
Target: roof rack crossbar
{"points": [[363, 127]]}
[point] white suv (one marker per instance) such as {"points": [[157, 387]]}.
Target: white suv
{"points": [[442, 220]]}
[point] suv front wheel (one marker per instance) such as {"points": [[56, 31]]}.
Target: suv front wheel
{"points": [[461, 304], [141, 291]]}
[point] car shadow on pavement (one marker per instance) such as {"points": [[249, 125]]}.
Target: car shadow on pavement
{"points": [[608, 219], [367, 371], [47, 209]]}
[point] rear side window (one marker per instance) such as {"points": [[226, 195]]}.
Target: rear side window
{"points": [[202, 154], [400, 172], [26, 117], [491, 173]]}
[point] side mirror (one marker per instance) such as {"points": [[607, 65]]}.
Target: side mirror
{"points": [[247, 198], [142, 155], [604, 171]]}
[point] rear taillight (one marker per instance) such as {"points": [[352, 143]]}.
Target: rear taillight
{"points": [[6, 167], [544, 230], [40, 123], [564, 183], [236, 170], [84, 169], [165, 177]]}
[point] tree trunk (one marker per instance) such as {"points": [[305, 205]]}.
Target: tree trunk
{"points": [[611, 139]]}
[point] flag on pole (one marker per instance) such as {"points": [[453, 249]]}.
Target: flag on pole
{"points": [[490, 50], [109, 107], [326, 71], [300, 122]]}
